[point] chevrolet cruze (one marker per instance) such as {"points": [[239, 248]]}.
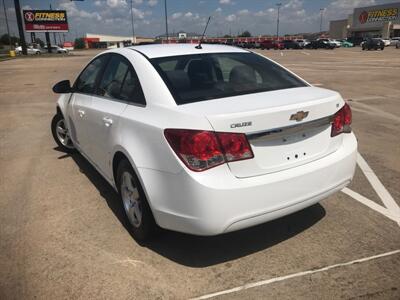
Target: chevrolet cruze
{"points": [[205, 140]]}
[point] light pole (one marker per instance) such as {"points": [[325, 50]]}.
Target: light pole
{"points": [[133, 26], [20, 27], [277, 21], [166, 19], [321, 10], [8, 28]]}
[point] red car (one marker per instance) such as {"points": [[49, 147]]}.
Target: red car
{"points": [[272, 45]]}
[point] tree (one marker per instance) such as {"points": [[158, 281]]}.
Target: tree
{"points": [[4, 39], [79, 43], [40, 42], [245, 33]]}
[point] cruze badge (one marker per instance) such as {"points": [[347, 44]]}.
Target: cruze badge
{"points": [[243, 124], [300, 115]]}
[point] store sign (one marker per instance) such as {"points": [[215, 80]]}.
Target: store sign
{"points": [[380, 15], [376, 16], [45, 20]]}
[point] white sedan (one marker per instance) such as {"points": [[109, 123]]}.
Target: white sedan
{"points": [[205, 141], [30, 50]]}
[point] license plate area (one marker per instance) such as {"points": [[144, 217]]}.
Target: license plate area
{"points": [[284, 149]]}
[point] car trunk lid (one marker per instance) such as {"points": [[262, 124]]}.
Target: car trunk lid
{"points": [[285, 128]]}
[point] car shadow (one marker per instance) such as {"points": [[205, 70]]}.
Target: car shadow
{"points": [[197, 251]]}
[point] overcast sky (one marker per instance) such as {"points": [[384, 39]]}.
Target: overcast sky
{"points": [[257, 16]]}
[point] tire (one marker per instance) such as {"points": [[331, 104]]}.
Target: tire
{"points": [[137, 211], [60, 134]]}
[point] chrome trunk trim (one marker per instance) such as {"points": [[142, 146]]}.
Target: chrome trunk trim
{"points": [[288, 130]]}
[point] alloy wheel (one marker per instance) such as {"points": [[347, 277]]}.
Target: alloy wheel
{"points": [[63, 134], [131, 200]]}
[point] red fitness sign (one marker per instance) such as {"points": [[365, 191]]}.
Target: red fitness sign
{"points": [[45, 20]]}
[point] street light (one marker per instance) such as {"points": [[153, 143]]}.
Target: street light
{"points": [[321, 10], [133, 26], [20, 27], [166, 19], [277, 21], [8, 28]]}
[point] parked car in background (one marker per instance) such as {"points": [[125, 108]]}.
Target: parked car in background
{"points": [[302, 42], [320, 44], [386, 42], [394, 40], [373, 44], [337, 43], [356, 41], [269, 44], [291, 44], [56, 49], [30, 50], [346, 44], [250, 45], [398, 44], [223, 140]]}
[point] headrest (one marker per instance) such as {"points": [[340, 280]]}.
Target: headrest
{"points": [[242, 75]]}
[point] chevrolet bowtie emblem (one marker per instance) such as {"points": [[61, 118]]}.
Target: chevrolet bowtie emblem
{"points": [[300, 115]]}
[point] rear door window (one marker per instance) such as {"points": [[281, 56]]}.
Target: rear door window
{"points": [[120, 81], [113, 77]]}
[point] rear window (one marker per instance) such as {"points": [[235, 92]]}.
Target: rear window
{"points": [[193, 78]]}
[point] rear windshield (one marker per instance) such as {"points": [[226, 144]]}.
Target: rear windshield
{"points": [[193, 78]]}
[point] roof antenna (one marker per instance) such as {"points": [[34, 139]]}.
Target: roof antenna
{"points": [[202, 37]]}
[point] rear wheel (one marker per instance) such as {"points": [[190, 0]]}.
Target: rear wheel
{"points": [[137, 210], [61, 133]]}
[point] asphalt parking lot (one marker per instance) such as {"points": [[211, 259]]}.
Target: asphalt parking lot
{"points": [[61, 234]]}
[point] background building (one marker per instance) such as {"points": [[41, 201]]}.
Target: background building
{"points": [[372, 21], [93, 40]]}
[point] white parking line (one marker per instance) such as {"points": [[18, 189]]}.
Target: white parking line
{"points": [[379, 188], [305, 53], [365, 98], [281, 53], [375, 111], [317, 84], [299, 274], [391, 210], [371, 204]]}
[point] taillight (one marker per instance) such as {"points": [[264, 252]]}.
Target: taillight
{"points": [[201, 150], [235, 146], [341, 121]]}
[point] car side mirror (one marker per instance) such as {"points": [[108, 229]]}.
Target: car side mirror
{"points": [[62, 87]]}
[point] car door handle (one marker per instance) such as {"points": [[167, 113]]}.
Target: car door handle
{"points": [[107, 121], [81, 112]]}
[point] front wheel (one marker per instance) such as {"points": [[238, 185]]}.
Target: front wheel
{"points": [[61, 134], [136, 208]]}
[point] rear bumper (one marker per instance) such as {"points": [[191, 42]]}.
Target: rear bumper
{"points": [[214, 202]]}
